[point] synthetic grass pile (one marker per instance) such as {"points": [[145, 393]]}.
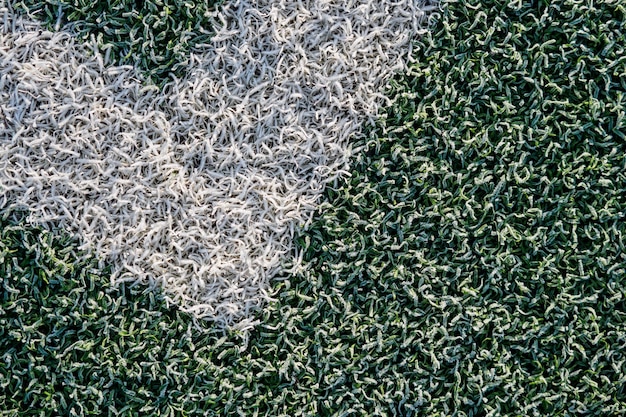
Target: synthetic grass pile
{"points": [[199, 186], [72, 345], [474, 262], [155, 36]]}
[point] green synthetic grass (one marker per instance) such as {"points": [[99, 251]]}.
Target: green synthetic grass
{"points": [[156, 36], [72, 345], [473, 264]]}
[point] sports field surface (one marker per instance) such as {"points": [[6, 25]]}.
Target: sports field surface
{"points": [[313, 208]]}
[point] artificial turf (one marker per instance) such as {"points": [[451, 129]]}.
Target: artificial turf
{"points": [[156, 36], [473, 264]]}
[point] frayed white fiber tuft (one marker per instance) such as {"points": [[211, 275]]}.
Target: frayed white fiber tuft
{"points": [[201, 187]]}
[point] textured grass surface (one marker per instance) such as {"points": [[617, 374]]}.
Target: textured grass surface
{"points": [[155, 36], [71, 345], [197, 187], [473, 264]]}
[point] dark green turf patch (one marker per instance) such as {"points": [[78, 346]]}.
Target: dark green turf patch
{"points": [[475, 262], [154, 35], [72, 345]]}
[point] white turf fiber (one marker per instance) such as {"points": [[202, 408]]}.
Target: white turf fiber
{"points": [[201, 187]]}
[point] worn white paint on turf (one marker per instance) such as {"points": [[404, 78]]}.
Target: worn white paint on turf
{"points": [[200, 187]]}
